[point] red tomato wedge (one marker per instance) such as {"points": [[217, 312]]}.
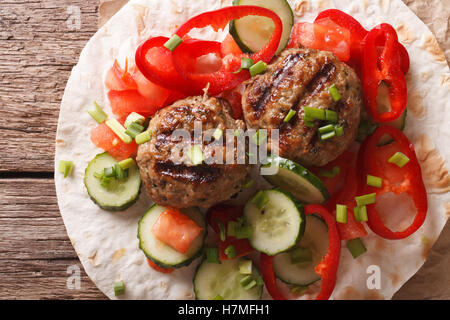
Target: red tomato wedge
{"points": [[126, 102], [103, 137], [176, 230], [229, 46], [225, 214], [158, 268], [322, 35], [119, 79], [154, 94]]}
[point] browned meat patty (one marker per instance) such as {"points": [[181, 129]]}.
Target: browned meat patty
{"points": [[181, 184], [301, 78]]}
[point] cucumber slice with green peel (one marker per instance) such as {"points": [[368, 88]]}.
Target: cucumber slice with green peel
{"points": [[316, 240], [252, 33], [297, 180], [119, 194], [162, 254], [212, 280], [278, 225]]}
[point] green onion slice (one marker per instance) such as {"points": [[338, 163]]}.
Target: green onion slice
{"points": [[127, 163], [134, 129], [374, 181], [119, 130], [173, 42], [246, 64], [243, 232], [366, 199], [258, 68], [250, 285], [356, 247], [231, 228], [314, 113], [331, 116], [326, 129], [339, 131], [196, 156], [212, 255], [327, 136], [97, 113], [218, 133], [143, 137], [259, 137], [230, 251], [399, 159], [260, 199], [334, 92], [245, 267], [223, 233], [65, 167], [119, 288], [290, 115], [134, 117], [341, 213]]}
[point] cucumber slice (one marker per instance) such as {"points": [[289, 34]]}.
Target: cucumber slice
{"points": [[119, 195], [162, 254], [252, 33], [297, 180], [212, 280], [278, 225], [316, 240]]}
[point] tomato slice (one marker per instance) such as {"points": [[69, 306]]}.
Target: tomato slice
{"points": [[118, 79], [155, 95], [176, 230], [103, 137], [225, 214], [128, 101], [158, 268], [322, 35]]}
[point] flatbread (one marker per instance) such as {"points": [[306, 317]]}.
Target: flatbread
{"points": [[106, 242]]}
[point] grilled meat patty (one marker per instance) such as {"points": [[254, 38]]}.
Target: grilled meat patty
{"points": [[301, 78], [179, 183]]}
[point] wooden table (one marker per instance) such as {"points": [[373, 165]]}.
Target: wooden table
{"points": [[37, 52]]}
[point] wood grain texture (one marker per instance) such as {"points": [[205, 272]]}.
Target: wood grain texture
{"points": [[35, 253]]}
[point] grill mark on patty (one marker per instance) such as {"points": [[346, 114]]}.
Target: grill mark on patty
{"points": [[278, 76], [196, 174]]}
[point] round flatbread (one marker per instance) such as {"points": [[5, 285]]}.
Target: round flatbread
{"points": [[106, 242]]}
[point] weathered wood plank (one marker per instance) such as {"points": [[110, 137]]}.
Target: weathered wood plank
{"points": [[35, 252], [37, 53]]}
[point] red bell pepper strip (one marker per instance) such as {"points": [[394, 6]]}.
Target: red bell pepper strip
{"points": [[383, 67], [269, 277], [225, 214], [375, 163], [225, 78], [358, 33], [328, 267], [158, 268]]}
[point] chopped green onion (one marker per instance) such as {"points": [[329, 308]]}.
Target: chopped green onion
{"points": [[315, 113], [310, 124], [334, 93], [104, 182], [300, 255], [327, 136], [259, 281], [290, 115], [109, 172], [98, 114], [246, 280], [245, 267], [218, 297], [374, 181], [98, 175], [250, 285], [231, 228], [134, 117], [341, 213], [218, 134], [212, 255], [237, 133], [127, 164], [399, 159], [258, 68], [336, 170], [65, 167], [230, 251], [356, 247], [339, 131], [119, 130], [244, 232], [326, 129], [330, 174], [195, 154], [143, 137], [259, 137], [120, 173], [223, 233], [299, 290], [134, 129], [119, 288], [366, 199], [173, 42], [260, 199], [331, 116], [246, 64], [362, 213], [248, 184]]}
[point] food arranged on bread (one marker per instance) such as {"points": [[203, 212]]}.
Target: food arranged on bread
{"points": [[325, 100]]}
